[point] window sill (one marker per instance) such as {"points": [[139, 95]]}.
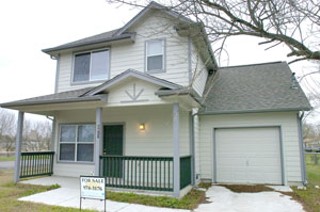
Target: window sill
{"points": [[75, 162], [155, 71]]}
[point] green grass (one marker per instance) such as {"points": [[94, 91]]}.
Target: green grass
{"points": [[7, 158], [189, 201], [10, 193], [310, 196]]}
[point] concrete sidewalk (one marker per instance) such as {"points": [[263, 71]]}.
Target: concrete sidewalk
{"points": [[69, 196], [219, 199]]}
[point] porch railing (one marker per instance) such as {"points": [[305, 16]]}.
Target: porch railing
{"points": [[145, 173], [36, 164], [133, 172]]}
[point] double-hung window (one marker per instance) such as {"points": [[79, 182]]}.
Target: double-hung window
{"points": [[155, 55], [76, 143], [91, 66]]}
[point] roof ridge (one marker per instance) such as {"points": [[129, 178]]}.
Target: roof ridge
{"points": [[254, 64]]}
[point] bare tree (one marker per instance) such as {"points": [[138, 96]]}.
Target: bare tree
{"points": [[36, 135], [7, 130], [295, 23]]}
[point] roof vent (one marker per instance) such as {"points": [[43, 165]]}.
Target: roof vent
{"points": [[294, 82]]}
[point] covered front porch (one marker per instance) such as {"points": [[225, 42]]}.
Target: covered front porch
{"points": [[157, 158], [134, 129]]}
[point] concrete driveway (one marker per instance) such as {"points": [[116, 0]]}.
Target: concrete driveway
{"points": [[219, 199], [222, 199]]}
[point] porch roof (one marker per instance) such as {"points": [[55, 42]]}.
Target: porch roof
{"points": [[62, 97], [99, 93], [254, 88]]}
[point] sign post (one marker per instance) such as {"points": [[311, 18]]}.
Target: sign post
{"points": [[92, 187]]}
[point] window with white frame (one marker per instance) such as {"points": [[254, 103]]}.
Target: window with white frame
{"points": [[155, 55], [91, 66], [76, 143]]}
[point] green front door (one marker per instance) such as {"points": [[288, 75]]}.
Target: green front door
{"points": [[113, 147]]}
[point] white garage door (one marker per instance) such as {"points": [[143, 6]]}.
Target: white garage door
{"points": [[248, 155]]}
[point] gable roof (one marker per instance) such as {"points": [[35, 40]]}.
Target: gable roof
{"points": [[253, 88], [131, 73], [147, 9], [185, 24]]}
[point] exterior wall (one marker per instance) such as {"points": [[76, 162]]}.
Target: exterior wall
{"points": [[132, 55], [156, 140], [289, 128], [198, 70]]}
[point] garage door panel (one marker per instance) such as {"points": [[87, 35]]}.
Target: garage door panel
{"points": [[248, 155]]}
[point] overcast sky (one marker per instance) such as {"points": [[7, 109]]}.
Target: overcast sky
{"points": [[28, 26]]}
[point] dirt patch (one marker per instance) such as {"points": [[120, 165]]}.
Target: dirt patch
{"points": [[247, 188]]}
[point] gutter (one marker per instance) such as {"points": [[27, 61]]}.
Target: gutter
{"points": [[254, 111], [123, 37], [56, 101]]}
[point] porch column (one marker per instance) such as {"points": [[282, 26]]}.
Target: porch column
{"points": [[18, 147], [176, 150], [99, 139]]}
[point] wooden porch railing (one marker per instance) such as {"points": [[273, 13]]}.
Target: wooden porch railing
{"points": [[145, 173], [134, 172], [36, 164]]}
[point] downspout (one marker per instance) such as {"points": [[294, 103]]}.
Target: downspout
{"points": [[57, 58], [302, 155]]}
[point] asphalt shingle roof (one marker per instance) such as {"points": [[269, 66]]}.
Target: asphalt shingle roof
{"points": [[95, 39], [63, 97], [253, 88]]}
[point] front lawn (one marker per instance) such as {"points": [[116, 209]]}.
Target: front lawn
{"points": [[10, 193]]}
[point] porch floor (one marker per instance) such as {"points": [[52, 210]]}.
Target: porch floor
{"points": [[69, 196]]}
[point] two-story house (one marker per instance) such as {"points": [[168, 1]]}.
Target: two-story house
{"points": [[147, 107]]}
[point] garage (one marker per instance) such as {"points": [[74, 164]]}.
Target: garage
{"points": [[248, 155]]}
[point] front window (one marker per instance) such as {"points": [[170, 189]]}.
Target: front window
{"points": [[155, 55], [77, 143], [91, 66]]}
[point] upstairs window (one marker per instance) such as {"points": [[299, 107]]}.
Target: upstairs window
{"points": [[91, 66], [155, 55]]}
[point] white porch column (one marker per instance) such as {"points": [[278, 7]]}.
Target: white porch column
{"points": [[18, 147], [99, 141], [176, 150]]}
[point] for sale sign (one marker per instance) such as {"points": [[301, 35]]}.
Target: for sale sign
{"points": [[92, 187]]}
